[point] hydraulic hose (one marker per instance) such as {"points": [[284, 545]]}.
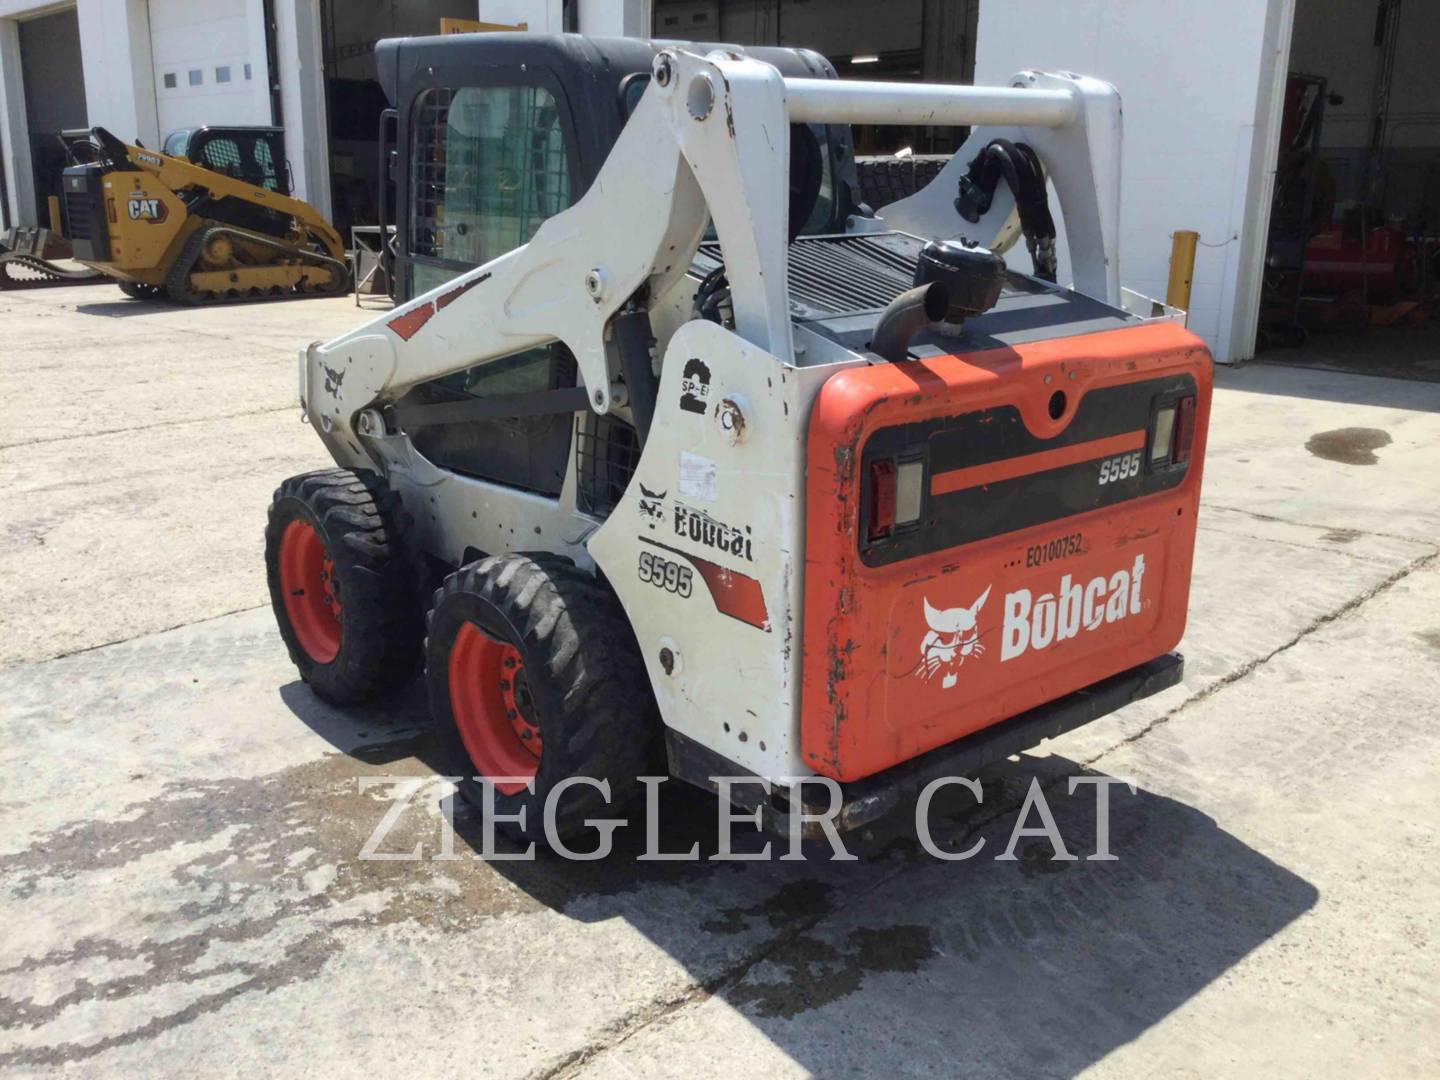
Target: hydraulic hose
{"points": [[1020, 167]]}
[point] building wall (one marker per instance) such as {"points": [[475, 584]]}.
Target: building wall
{"points": [[1196, 83]]}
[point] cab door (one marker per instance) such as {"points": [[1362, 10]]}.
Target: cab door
{"points": [[483, 165]]}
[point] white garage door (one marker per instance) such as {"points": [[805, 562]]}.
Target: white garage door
{"points": [[209, 60]]}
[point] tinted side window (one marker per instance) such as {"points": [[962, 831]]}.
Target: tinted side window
{"points": [[488, 165], [528, 452]]}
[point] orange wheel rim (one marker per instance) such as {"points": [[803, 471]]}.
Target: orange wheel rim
{"points": [[494, 712], [312, 595]]}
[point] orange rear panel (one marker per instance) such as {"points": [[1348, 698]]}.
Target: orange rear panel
{"points": [[1045, 558]]}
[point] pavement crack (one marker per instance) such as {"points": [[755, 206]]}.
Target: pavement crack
{"points": [[150, 427], [1247, 669], [132, 637], [658, 1011], [1257, 516]]}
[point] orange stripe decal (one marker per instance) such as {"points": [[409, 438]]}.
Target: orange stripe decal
{"points": [[996, 471], [406, 326]]}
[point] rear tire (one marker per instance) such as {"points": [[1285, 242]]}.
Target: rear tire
{"points": [[527, 653], [342, 584]]}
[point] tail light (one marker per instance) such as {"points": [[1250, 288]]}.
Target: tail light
{"points": [[1184, 429], [896, 494], [1172, 432], [882, 500]]}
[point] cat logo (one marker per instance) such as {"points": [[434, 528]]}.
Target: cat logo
{"points": [[953, 637], [151, 210]]}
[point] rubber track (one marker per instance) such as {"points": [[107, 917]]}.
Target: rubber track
{"points": [[49, 274], [177, 279]]}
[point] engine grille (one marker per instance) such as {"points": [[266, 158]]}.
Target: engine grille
{"points": [[77, 215], [85, 219], [837, 275]]}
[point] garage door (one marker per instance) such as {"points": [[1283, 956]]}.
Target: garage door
{"points": [[209, 60]]}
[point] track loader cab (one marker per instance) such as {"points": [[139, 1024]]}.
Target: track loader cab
{"points": [[253, 155], [703, 456]]}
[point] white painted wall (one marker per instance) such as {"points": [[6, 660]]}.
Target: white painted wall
{"points": [[1198, 83], [115, 54], [214, 42], [616, 18], [19, 206], [300, 58]]}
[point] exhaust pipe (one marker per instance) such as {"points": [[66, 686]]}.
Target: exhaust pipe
{"points": [[907, 315]]}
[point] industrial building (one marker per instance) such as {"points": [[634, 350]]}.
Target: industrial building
{"points": [[1210, 94]]}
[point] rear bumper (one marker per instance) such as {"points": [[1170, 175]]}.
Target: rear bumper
{"points": [[867, 800]]}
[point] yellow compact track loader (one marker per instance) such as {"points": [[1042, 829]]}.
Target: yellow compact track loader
{"points": [[212, 225]]}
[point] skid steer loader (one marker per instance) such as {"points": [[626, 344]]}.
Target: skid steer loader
{"points": [[215, 224], [702, 459]]}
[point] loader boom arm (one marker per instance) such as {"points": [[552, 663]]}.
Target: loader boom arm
{"points": [[708, 141]]}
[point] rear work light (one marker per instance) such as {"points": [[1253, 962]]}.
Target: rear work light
{"points": [[1173, 430], [896, 491]]}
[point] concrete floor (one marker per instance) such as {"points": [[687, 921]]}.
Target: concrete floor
{"points": [[180, 887]]}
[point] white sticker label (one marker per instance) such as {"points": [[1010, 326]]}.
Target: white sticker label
{"points": [[697, 477]]}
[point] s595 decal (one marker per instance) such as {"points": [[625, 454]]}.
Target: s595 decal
{"points": [[664, 574], [1120, 468]]}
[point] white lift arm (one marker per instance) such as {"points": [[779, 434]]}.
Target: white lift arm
{"points": [[710, 140]]}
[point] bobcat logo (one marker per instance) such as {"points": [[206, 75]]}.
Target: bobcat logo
{"points": [[954, 636], [650, 505]]}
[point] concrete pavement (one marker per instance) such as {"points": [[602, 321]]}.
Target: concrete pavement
{"points": [[180, 883]]}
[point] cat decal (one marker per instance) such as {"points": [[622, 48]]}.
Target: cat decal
{"points": [[953, 638]]}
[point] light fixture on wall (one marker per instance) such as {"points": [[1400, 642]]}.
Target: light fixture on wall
{"points": [[867, 58]]}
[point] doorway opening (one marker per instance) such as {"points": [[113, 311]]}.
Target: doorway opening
{"points": [[1352, 271]]}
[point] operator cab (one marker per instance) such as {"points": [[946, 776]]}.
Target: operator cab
{"points": [[494, 133], [497, 132], [253, 155]]}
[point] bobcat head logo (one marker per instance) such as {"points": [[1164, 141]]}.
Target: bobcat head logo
{"points": [[953, 637]]}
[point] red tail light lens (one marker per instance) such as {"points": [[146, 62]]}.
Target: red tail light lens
{"points": [[1184, 429], [882, 500]]}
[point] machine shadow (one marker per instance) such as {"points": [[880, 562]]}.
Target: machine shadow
{"points": [[125, 308], [1024, 967]]}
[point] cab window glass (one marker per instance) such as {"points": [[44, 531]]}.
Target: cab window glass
{"points": [[527, 452], [488, 166]]}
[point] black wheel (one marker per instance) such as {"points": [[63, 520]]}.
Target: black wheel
{"points": [[342, 584], [534, 674], [138, 290]]}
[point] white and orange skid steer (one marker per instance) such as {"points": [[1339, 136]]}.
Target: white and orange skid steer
{"points": [[706, 457]]}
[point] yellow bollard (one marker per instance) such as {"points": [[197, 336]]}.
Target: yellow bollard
{"points": [[54, 205], [1182, 268]]}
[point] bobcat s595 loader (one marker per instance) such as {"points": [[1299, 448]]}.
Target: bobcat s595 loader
{"points": [[716, 462]]}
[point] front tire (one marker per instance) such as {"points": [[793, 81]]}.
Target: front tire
{"points": [[534, 674], [342, 584]]}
